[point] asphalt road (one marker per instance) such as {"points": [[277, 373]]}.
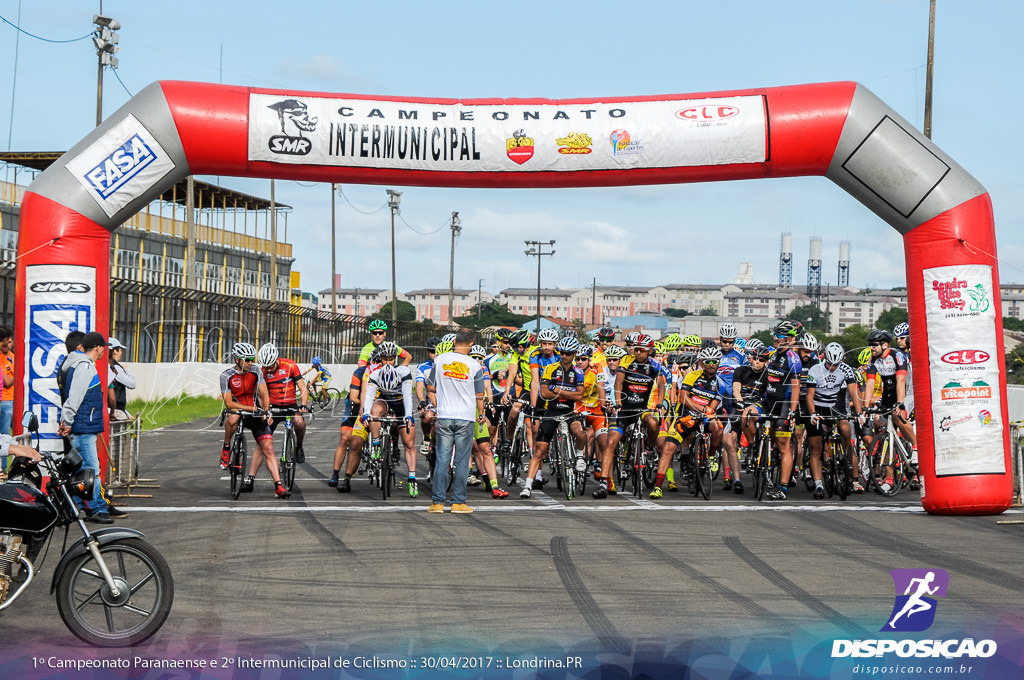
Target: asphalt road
{"points": [[344, 575]]}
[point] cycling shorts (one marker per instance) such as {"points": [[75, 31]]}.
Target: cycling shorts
{"points": [[828, 412], [626, 417], [548, 424], [593, 417], [258, 427]]}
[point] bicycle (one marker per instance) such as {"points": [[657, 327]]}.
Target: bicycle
{"points": [[517, 450], [700, 461], [640, 464], [836, 459], [502, 444], [286, 463], [324, 396], [387, 455], [570, 471], [238, 452], [889, 452], [766, 466]]}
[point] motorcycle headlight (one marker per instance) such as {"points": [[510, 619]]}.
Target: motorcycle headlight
{"points": [[82, 483], [71, 461]]}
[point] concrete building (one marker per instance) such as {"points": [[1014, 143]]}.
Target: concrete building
{"points": [[432, 303]]}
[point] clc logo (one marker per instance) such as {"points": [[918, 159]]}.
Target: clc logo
{"points": [[706, 113], [966, 356]]}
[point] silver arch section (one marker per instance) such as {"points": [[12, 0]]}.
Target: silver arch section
{"points": [[893, 169], [121, 188]]}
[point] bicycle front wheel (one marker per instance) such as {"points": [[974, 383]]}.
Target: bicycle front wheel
{"points": [[237, 465], [702, 469], [288, 459], [386, 471]]}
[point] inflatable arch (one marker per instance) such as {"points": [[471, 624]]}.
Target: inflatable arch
{"points": [[839, 130]]}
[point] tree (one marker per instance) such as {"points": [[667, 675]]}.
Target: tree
{"points": [[676, 313], [811, 317], [406, 311], [890, 317], [1013, 324], [491, 314], [764, 336], [1015, 365], [708, 311]]}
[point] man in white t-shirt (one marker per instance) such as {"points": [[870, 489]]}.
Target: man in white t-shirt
{"points": [[456, 385]]}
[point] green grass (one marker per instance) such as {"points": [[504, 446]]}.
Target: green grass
{"points": [[174, 410]]}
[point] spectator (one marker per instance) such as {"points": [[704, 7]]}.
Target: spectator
{"points": [[81, 416], [457, 383], [119, 381], [7, 370]]}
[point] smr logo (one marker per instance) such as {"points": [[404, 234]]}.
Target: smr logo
{"points": [[914, 609], [295, 113]]}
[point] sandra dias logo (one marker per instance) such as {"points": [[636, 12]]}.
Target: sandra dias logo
{"points": [[291, 113], [915, 605]]}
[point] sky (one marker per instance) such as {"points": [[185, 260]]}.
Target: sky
{"points": [[636, 236]]}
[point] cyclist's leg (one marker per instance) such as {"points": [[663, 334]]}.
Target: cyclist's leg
{"points": [[545, 433], [231, 421]]}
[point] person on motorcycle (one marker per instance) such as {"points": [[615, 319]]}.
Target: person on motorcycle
{"points": [[9, 448]]}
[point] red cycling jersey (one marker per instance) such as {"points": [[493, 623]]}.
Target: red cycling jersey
{"points": [[282, 382], [243, 386]]}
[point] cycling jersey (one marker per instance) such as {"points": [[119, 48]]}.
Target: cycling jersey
{"points": [[322, 373], [522, 361], [282, 382], [367, 351], [496, 366], [805, 367], [609, 385], [422, 370], [394, 398], [885, 369], [593, 385], [750, 382], [782, 367], [243, 385], [598, 360], [703, 390], [830, 386], [558, 378], [638, 382], [541, 362], [731, 360]]}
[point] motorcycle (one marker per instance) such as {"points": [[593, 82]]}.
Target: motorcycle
{"points": [[113, 589]]}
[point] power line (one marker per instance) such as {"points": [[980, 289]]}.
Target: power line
{"points": [[37, 37], [423, 233], [121, 81]]}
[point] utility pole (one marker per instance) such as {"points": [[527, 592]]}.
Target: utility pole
{"points": [[928, 71], [106, 41], [456, 228], [537, 248], [393, 200], [479, 288], [334, 250], [593, 302]]}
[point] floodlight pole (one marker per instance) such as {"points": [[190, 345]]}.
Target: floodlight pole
{"points": [[456, 229], [537, 248], [393, 200]]}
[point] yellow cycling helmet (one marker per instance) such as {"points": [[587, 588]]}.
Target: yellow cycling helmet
{"points": [[659, 348], [444, 346], [865, 356], [692, 341], [673, 342]]}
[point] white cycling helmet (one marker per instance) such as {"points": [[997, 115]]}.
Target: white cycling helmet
{"points": [[477, 351], [448, 337], [267, 354], [631, 338], [834, 353], [243, 350], [752, 345], [548, 335], [901, 330], [810, 343], [727, 330], [387, 378], [387, 349], [710, 354], [614, 352], [568, 345]]}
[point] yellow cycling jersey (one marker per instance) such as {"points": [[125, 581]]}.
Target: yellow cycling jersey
{"points": [[523, 362], [593, 386], [598, 360]]}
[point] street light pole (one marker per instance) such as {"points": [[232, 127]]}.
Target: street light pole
{"points": [[456, 228], [479, 288], [393, 200], [334, 250], [106, 41], [928, 72], [537, 248]]}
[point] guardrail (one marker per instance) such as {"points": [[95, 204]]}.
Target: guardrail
{"points": [[1017, 456]]}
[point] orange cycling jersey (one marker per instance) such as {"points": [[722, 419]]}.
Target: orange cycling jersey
{"points": [[282, 381]]}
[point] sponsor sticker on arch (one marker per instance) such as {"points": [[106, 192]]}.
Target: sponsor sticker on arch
{"points": [[544, 135], [962, 347]]}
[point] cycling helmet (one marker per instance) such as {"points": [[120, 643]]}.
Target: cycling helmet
{"points": [[614, 352], [834, 353], [432, 342], [387, 349], [316, 361], [548, 335], [374, 356], [267, 354], [740, 344], [864, 358], [567, 345], [631, 338], [444, 346], [902, 330], [502, 334], [645, 341], [787, 328], [763, 352], [727, 330], [477, 351], [692, 341], [387, 378], [519, 337], [448, 337], [659, 348], [880, 335], [378, 325], [570, 333], [585, 351], [243, 350], [606, 333], [686, 358], [710, 354], [533, 339], [673, 342], [810, 343], [753, 345]]}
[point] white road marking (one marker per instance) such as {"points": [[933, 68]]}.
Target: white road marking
{"points": [[283, 506]]}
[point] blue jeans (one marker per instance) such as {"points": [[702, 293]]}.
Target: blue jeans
{"points": [[86, 446], [457, 434], [6, 416]]}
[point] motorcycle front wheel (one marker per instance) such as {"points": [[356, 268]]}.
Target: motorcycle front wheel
{"points": [[95, 615]]}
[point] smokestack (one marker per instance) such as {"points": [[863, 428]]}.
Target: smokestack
{"points": [[844, 264], [786, 261]]}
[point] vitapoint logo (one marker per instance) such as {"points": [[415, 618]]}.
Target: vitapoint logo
{"points": [[914, 610]]}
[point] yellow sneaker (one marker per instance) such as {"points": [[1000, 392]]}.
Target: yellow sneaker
{"points": [[656, 493], [461, 508], [437, 508]]}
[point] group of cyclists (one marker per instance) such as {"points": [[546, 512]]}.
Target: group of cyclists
{"points": [[670, 389]]}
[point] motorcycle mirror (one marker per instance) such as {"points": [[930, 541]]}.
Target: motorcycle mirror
{"points": [[30, 422]]}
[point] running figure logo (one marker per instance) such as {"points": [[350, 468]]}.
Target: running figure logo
{"points": [[914, 609]]}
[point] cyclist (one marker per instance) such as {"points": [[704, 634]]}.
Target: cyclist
{"points": [[603, 338], [746, 385], [594, 401], [427, 415], [496, 366], [560, 386], [779, 398], [830, 384], [637, 379], [283, 378], [699, 398], [518, 380], [807, 347], [244, 389], [483, 456], [889, 366], [321, 377], [353, 434], [732, 358], [388, 389], [902, 334], [378, 329], [542, 357], [630, 341]]}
